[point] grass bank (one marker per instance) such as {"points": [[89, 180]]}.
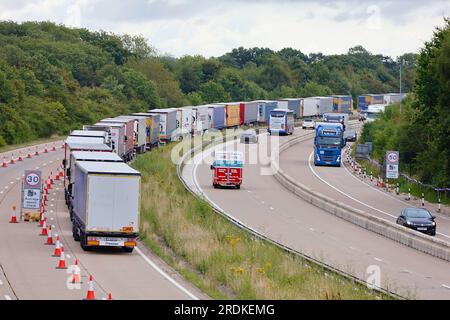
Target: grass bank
{"points": [[218, 257]]}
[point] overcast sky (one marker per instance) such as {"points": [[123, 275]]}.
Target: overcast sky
{"points": [[214, 27]]}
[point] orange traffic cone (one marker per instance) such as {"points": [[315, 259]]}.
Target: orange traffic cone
{"points": [[37, 151], [28, 154], [4, 165], [44, 228], [90, 294], [49, 236], [14, 216], [41, 222], [54, 147], [51, 177], [62, 260], [46, 149], [110, 296], [20, 156], [57, 252], [76, 277], [12, 159]]}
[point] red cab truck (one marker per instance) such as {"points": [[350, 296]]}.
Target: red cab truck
{"points": [[227, 169]]}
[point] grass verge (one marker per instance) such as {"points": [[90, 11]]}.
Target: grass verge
{"points": [[222, 260]]}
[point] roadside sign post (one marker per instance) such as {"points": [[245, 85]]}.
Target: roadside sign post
{"points": [[392, 161], [31, 191]]}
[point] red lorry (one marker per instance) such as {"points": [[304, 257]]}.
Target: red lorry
{"points": [[227, 169]]}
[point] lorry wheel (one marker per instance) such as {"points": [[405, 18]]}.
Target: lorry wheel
{"points": [[238, 186], [215, 186], [128, 249], [75, 234]]}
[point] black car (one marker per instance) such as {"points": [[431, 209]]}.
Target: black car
{"points": [[418, 219], [351, 135]]}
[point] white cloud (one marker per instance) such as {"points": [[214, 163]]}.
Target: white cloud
{"points": [[211, 28]]}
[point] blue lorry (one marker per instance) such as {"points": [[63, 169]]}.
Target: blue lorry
{"points": [[328, 143]]}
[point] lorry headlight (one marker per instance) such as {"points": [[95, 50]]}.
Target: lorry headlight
{"points": [[338, 159]]}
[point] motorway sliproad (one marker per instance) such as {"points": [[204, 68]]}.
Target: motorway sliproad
{"points": [[285, 218], [28, 270]]}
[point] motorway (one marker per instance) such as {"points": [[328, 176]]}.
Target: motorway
{"points": [[28, 270], [268, 208]]}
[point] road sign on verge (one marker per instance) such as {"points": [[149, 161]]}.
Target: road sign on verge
{"points": [[392, 160], [31, 190]]}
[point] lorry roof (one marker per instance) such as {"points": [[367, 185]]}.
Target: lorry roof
{"points": [[99, 156], [109, 124], [88, 146], [118, 168], [86, 140], [168, 110], [87, 133]]}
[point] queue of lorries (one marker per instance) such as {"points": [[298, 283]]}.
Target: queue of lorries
{"points": [[103, 193]]}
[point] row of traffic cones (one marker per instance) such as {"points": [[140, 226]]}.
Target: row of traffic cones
{"points": [[28, 156]]}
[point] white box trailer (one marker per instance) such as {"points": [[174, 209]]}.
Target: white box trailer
{"points": [[317, 106], [140, 132], [153, 128], [91, 134], [97, 156], [186, 120], [72, 144], [117, 136], [167, 123], [202, 118], [309, 108], [106, 201]]}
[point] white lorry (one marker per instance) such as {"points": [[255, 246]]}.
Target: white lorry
{"points": [[105, 211]]}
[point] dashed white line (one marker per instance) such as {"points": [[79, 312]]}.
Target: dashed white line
{"points": [[1, 282], [7, 297], [446, 286], [378, 259]]}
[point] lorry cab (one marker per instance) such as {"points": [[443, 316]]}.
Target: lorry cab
{"points": [[328, 143], [281, 121], [227, 169]]}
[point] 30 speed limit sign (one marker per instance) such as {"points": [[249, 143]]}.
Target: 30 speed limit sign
{"points": [[32, 179]]}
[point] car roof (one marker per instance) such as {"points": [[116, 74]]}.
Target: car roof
{"points": [[415, 209]]}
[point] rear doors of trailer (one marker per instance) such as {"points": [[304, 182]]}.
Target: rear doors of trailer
{"points": [[167, 123], [140, 132]]}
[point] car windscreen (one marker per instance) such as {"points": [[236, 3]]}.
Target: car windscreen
{"points": [[417, 213]]}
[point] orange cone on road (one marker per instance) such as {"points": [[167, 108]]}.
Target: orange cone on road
{"points": [[54, 147], [90, 294], [57, 252], [20, 156], [28, 154], [37, 151], [41, 222], [14, 216], [12, 159], [110, 296], [76, 277], [46, 149], [44, 228], [49, 236], [62, 260], [4, 165]]}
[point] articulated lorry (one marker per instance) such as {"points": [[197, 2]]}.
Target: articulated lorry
{"points": [[328, 143], [105, 211], [341, 118]]}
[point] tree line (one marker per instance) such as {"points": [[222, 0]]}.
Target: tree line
{"points": [[421, 132], [54, 78]]}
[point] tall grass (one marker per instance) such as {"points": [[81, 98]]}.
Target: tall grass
{"points": [[218, 257]]}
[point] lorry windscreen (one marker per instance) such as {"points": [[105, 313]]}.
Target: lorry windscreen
{"points": [[329, 141], [277, 114]]}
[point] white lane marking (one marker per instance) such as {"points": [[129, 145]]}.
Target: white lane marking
{"points": [[446, 286], [7, 297], [1, 282], [354, 199], [12, 182], [6, 187], [1, 192], [165, 275], [18, 179], [312, 229], [68, 256], [378, 259], [271, 208], [262, 202]]}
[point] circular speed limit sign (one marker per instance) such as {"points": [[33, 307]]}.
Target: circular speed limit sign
{"points": [[392, 157], [32, 179]]}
